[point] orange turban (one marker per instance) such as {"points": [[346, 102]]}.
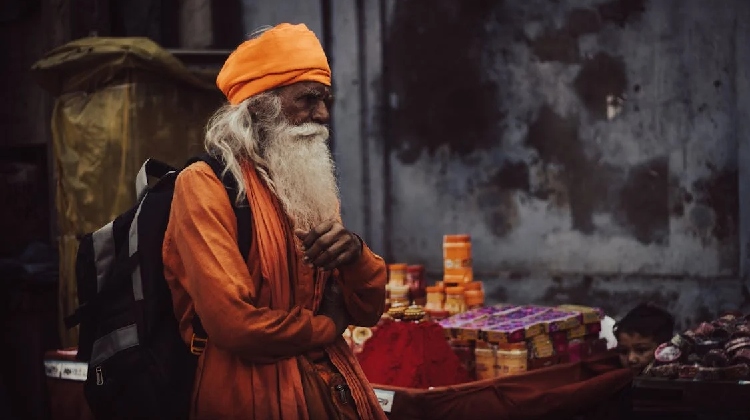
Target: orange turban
{"points": [[282, 55]]}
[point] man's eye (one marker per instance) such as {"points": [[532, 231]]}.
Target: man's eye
{"points": [[308, 99]]}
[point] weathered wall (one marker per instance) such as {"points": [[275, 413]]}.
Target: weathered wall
{"points": [[500, 122], [593, 138], [591, 148]]}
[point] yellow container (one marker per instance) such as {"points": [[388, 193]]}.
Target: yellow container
{"points": [[485, 356], [435, 298], [399, 295], [397, 274], [454, 300], [512, 359], [457, 257]]}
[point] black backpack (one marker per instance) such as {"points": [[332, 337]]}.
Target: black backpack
{"points": [[139, 366]]}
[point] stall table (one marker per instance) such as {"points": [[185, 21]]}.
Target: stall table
{"points": [[690, 399], [559, 392]]}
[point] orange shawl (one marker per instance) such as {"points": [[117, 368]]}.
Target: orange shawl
{"points": [[256, 325]]}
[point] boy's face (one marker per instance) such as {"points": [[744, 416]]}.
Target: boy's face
{"points": [[636, 351]]}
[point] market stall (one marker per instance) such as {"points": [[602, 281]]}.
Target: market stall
{"points": [[498, 361], [440, 352], [703, 371]]}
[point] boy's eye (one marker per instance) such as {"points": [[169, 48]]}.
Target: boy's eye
{"points": [[621, 350]]}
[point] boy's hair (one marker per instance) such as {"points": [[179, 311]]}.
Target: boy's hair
{"points": [[647, 320]]}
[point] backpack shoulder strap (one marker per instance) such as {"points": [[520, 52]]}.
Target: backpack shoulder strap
{"points": [[244, 231]]}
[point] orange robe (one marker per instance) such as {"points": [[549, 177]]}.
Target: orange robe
{"points": [[259, 310]]}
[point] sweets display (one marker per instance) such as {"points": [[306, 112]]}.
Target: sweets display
{"points": [[489, 341], [508, 339], [717, 350]]}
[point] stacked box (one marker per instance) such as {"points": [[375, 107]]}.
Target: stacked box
{"points": [[454, 326], [583, 341], [547, 332]]}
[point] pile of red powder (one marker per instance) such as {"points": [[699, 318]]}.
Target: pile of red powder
{"points": [[411, 355]]}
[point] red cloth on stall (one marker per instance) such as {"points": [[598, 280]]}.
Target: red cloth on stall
{"points": [[553, 393]]}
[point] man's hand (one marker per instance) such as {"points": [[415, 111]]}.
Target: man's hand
{"points": [[333, 306], [329, 245]]}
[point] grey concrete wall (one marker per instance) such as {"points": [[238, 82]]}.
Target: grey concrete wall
{"points": [[591, 148]]}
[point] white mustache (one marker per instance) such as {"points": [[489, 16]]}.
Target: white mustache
{"points": [[309, 130]]}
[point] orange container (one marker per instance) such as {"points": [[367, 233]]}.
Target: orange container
{"points": [[474, 285], [474, 299], [457, 260], [397, 274]]}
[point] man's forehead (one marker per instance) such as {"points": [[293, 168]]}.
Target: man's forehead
{"points": [[312, 87]]}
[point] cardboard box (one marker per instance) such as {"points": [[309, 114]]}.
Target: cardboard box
{"points": [[555, 320], [588, 315]]}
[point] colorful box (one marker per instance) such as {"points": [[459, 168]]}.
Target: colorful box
{"points": [[513, 331], [556, 320], [472, 330], [588, 315]]}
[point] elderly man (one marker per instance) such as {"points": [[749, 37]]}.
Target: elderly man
{"points": [[274, 318]]}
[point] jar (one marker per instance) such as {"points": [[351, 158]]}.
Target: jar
{"points": [[437, 315], [399, 295], [435, 298], [397, 274], [473, 295], [415, 280], [512, 359], [485, 360], [454, 300], [457, 257]]}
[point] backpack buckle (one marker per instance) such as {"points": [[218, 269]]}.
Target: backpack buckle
{"points": [[197, 345]]}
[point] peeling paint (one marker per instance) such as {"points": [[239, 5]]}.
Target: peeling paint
{"points": [[602, 158], [601, 76], [644, 201], [443, 98], [556, 140], [622, 11]]}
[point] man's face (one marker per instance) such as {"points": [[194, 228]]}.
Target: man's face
{"points": [[306, 102], [296, 156], [635, 351]]}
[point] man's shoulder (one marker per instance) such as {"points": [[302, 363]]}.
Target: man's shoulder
{"points": [[196, 168], [197, 178]]}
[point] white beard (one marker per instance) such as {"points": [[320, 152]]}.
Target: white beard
{"points": [[301, 168]]}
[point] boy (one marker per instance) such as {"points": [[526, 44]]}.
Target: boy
{"points": [[640, 332]]}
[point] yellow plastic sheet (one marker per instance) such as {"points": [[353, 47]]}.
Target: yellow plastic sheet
{"points": [[119, 102]]}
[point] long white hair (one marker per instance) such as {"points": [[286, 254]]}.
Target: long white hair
{"points": [[293, 160], [234, 134]]}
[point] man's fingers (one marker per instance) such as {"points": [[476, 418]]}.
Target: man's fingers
{"points": [[321, 245], [330, 254], [316, 233], [340, 260]]}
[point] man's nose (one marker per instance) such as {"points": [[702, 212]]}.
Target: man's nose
{"points": [[320, 114], [632, 358]]}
